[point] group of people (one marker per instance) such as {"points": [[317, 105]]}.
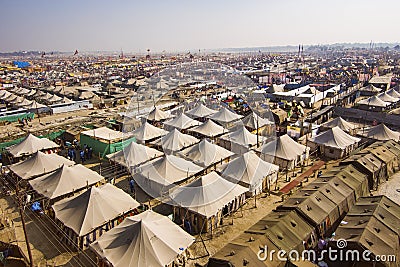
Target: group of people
{"points": [[24, 121], [84, 154]]}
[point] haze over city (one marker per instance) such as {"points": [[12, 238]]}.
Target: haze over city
{"points": [[135, 26]]}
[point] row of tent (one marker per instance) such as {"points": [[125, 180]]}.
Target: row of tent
{"points": [[380, 101]]}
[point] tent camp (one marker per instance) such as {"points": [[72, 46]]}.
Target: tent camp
{"points": [[104, 140], [373, 103], [148, 132], [339, 122], [334, 143], [134, 154], [251, 172], [146, 239], [284, 152], [201, 111], [39, 163], [387, 98], [181, 122], [30, 145], [206, 154], [208, 198], [159, 175], [209, 129], [158, 115], [175, 141], [382, 132], [225, 116], [64, 181], [93, 211], [240, 141]]}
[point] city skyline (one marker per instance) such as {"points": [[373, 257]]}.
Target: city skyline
{"points": [[173, 26]]}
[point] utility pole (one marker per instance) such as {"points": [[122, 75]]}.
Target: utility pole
{"points": [[24, 226]]}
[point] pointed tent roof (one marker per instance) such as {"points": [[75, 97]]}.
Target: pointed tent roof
{"points": [[370, 88], [4, 94], [157, 115], [336, 138], [393, 93], [206, 153], [30, 145], [209, 129], [168, 169], [66, 100], [34, 105], [147, 132], [65, 180], [182, 122], [25, 102], [252, 120], [207, 195], [201, 111], [39, 163], [54, 98], [283, 147], [134, 154], [374, 101], [387, 98], [248, 169], [382, 132], [175, 140], [341, 123], [224, 115], [242, 137], [146, 239], [93, 208]]}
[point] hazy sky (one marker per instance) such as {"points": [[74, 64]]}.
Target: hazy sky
{"points": [[172, 25]]}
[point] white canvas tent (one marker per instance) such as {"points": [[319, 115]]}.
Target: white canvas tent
{"points": [[209, 129], [148, 132], [30, 145], [201, 111], [251, 172], [39, 163], [334, 143], [93, 208], [383, 133], [387, 98], [207, 197], [341, 123], [106, 133], [158, 115], [393, 93], [206, 153], [65, 180], [134, 154], [284, 152], [373, 101], [175, 140], [240, 140], [254, 121], [182, 122], [225, 116], [144, 240]]}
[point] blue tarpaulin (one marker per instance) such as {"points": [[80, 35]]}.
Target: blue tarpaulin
{"points": [[21, 64]]}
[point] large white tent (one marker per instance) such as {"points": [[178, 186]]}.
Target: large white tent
{"points": [[144, 240], [387, 98], [250, 171], [39, 163], [158, 115], [382, 132], [240, 140], [254, 121], [334, 143], [225, 116], [393, 93], [148, 132], [175, 141], [134, 154], [181, 122], [30, 145], [373, 102], [206, 153], [65, 180], [284, 152], [209, 129], [201, 111], [93, 208], [207, 195], [341, 123]]}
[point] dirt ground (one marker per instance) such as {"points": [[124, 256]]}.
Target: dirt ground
{"points": [[391, 188]]}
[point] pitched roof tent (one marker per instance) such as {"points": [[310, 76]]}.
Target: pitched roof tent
{"points": [[30, 145]]}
